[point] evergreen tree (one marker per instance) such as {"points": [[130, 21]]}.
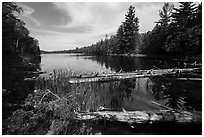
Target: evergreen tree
{"points": [[158, 35], [165, 14], [121, 41], [180, 38], [128, 32]]}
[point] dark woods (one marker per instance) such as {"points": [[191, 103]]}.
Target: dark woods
{"points": [[17, 44], [177, 32], [20, 57], [19, 49]]}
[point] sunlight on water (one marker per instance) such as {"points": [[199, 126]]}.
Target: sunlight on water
{"points": [[78, 64]]}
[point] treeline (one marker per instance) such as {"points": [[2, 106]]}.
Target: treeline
{"points": [[177, 32], [16, 40]]}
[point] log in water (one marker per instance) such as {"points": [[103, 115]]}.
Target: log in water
{"points": [[104, 77], [144, 116]]}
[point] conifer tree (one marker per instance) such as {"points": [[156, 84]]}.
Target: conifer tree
{"points": [[165, 14], [128, 32], [180, 39]]}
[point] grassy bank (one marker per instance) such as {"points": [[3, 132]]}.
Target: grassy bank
{"points": [[52, 106], [50, 109], [54, 103]]}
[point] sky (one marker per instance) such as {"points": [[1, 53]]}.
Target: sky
{"points": [[64, 26]]}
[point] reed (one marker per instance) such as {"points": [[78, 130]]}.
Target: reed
{"points": [[50, 109], [55, 103]]}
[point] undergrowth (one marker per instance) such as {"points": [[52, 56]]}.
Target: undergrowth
{"points": [[50, 109]]}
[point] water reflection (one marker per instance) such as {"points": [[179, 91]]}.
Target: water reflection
{"points": [[89, 64], [128, 64], [133, 94], [137, 94], [129, 94], [178, 94]]}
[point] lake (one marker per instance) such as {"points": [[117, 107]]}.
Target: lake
{"points": [[133, 94], [137, 94]]}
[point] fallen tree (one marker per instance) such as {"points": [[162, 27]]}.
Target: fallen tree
{"points": [[134, 117], [104, 77]]}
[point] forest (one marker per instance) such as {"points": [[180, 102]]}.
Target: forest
{"points": [[178, 32], [20, 57], [17, 44]]}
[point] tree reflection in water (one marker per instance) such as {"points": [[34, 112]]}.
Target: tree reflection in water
{"points": [[177, 94], [110, 95]]}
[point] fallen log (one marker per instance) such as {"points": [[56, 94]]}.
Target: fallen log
{"points": [[189, 79], [134, 117], [105, 77]]}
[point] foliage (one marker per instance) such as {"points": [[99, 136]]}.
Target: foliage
{"points": [[15, 36], [52, 107], [165, 14], [155, 40], [44, 111], [20, 55], [182, 38], [128, 32]]}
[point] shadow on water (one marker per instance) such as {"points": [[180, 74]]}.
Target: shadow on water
{"points": [[186, 95], [137, 94], [128, 64]]}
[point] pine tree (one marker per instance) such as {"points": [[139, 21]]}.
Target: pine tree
{"points": [[128, 32], [180, 40], [184, 14], [121, 43], [157, 37], [165, 14]]}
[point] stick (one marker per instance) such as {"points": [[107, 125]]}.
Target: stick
{"points": [[48, 93]]}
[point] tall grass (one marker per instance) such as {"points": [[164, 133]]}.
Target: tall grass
{"points": [[57, 82], [55, 102]]}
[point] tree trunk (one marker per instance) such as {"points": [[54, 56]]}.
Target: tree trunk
{"points": [[138, 74], [144, 116]]}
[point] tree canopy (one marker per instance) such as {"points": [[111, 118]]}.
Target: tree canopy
{"points": [[16, 40]]}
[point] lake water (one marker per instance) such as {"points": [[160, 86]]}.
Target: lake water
{"points": [[133, 94], [88, 64]]}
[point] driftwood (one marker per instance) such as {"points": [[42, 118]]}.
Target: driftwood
{"points": [[104, 77], [134, 117], [140, 118], [189, 79]]}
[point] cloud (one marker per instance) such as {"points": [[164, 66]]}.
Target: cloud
{"points": [[26, 15], [100, 17], [45, 13], [60, 26]]}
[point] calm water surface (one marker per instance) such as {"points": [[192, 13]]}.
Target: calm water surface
{"points": [[133, 94]]}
